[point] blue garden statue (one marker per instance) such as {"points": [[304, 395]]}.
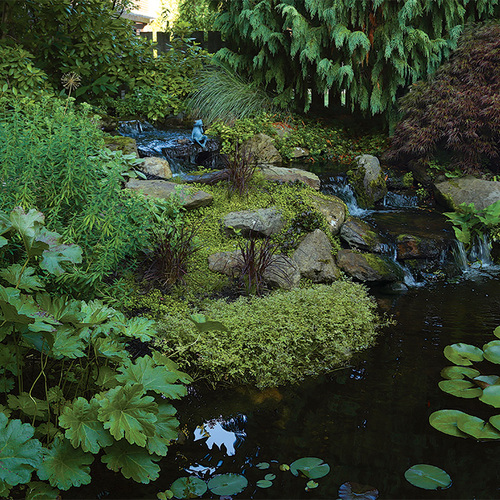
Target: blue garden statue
{"points": [[197, 134]]}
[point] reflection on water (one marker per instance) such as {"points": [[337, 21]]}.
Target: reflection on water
{"points": [[216, 432]]}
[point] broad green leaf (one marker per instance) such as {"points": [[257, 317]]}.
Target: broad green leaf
{"points": [[188, 487], [57, 254], [94, 312], [492, 351], [20, 454], [463, 354], [29, 405], [67, 343], [5, 224], [106, 377], [165, 430], [227, 484], [64, 466], [111, 348], [446, 421], [428, 477], [311, 467], [158, 379], [126, 412], [477, 427], [21, 277], [6, 383], [459, 372], [62, 309], [6, 411], [161, 359], [355, 491], [36, 490], [82, 426], [28, 225], [16, 307], [460, 388], [4, 487], [203, 324], [264, 483], [491, 396], [495, 421], [139, 328], [496, 332], [132, 461], [9, 358], [270, 477], [262, 465]]}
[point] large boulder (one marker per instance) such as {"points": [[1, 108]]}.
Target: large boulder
{"points": [[453, 192], [369, 267], [283, 174], [263, 150], [189, 198], [127, 145], [358, 234], [368, 181], [261, 222], [333, 209], [154, 165], [315, 260]]}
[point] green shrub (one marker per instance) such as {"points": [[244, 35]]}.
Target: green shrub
{"points": [[277, 339]]}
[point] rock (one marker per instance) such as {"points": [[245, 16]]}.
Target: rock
{"points": [[369, 267], [358, 234], [154, 165], [108, 123], [467, 190], [228, 263], [333, 209], [410, 246], [300, 152], [368, 181], [261, 222], [127, 145], [282, 174], [262, 149], [314, 258], [190, 198]]}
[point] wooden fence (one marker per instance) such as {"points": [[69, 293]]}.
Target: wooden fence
{"points": [[211, 41]]}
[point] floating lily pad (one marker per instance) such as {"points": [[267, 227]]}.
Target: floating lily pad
{"points": [[463, 354], [284, 467], [459, 372], [477, 427], [227, 484], [355, 491], [262, 465], [446, 421], [188, 487], [460, 388], [428, 477], [270, 477], [495, 421], [496, 332], [491, 396], [311, 485], [264, 483], [492, 351], [484, 381], [311, 467]]}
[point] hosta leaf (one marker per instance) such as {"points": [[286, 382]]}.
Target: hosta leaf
{"points": [[428, 477], [126, 412], [166, 430], [132, 461], [82, 426], [463, 354], [492, 351], [64, 466], [158, 379], [21, 277], [459, 372], [20, 454], [161, 359], [446, 421], [37, 490], [460, 388], [29, 405], [477, 427], [491, 396], [67, 343]]}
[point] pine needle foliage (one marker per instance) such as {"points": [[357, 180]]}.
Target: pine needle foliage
{"points": [[369, 49], [456, 113]]}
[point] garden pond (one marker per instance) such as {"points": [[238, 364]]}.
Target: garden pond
{"points": [[369, 421]]}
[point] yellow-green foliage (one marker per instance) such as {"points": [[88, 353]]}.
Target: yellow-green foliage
{"points": [[274, 340], [290, 199]]}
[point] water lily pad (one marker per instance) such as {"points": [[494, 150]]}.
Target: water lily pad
{"points": [[463, 354], [311, 485], [446, 421], [227, 484], [264, 483], [188, 487], [355, 491], [496, 332], [484, 381], [492, 351], [477, 427], [311, 467], [284, 467], [428, 477], [459, 372], [495, 421], [460, 388], [270, 477], [491, 396], [262, 465]]}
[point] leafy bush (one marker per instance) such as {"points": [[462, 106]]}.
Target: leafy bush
{"points": [[456, 111], [67, 379], [278, 339]]}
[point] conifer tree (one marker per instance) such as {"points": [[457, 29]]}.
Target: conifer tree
{"points": [[369, 49]]}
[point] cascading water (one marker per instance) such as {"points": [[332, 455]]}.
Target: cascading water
{"points": [[477, 260], [339, 186]]}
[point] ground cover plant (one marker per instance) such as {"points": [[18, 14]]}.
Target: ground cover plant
{"points": [[69, 389]]}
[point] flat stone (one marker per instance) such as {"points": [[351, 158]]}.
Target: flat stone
{"points": [[453, 192], [190, 199], [360, 235], [260, 222], [333, 209], [283, 174], [157, 166], [262, 150], [127, 145]]}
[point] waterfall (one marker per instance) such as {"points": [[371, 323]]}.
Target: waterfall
{"points": [[478, 258], [339, 186]]}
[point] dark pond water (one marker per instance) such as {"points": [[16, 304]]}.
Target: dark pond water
{"points": [[369, 421]]}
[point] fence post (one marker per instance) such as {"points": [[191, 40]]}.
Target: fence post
{"points": [[214, 41], [199, 37]]}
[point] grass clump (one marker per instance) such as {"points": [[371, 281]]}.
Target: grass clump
{"points": [[278, 339]]}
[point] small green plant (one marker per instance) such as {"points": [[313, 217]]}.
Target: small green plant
{"points": [[241, 169], [69, 389]]}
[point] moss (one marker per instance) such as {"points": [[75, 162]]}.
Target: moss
{"points": [[383, 265], [119, 142], [277, 339]]}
